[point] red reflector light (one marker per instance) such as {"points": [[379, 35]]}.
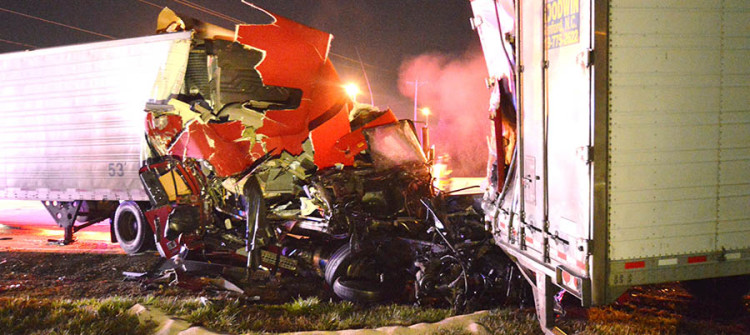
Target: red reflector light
{"points": [[635, 265], [696, 259]]}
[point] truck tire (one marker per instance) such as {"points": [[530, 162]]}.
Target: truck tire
{"points": [[131, 229], [366, 276], [337, 264], [359, 291]]}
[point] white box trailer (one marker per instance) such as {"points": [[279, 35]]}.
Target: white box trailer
{"points": [[73, 117], [73, 122], [633, 142]]}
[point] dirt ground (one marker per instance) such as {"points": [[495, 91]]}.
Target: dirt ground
{"points": [[79, 276]]}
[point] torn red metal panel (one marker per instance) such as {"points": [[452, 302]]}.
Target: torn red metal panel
{"points": [[167, 248], [221, 144], [163, 130], [353, 143], [327, 127], [297, 56], [324, 139]]}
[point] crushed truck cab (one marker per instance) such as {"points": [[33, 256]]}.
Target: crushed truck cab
{"points": [[239, 152]]}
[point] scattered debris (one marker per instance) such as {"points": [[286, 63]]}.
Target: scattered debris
{"points": [[257, 165], [256, 170], [133, 275], [4, 288]]}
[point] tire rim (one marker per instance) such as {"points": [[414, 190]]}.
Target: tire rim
{"points": [[127, 229]]}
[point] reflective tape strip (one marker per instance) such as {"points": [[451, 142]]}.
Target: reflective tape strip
{"points": [[668, 261], [696, 259], [529, 240], [635, 265], [562, 255], [734, 255]]}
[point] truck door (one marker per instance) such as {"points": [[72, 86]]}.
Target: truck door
{"points": [[568, 93]]}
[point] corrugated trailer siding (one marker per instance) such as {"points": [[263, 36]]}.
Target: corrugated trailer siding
{"points": [[734, 167], [679, 158], [72, 117]]}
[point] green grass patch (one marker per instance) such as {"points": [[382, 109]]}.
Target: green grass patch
{"points": [[110, 316], [510, 321], [62, 316], [299, 315]]}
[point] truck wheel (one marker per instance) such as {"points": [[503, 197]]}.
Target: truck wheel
{"points": [[359, 291], [366, 276], [337, 264], [131, 229]]}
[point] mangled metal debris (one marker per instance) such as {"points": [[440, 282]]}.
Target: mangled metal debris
{"points": [[255, 163], [262, 163]]}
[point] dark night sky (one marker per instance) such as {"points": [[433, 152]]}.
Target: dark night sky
{"points": [[386, 32], [399, 41]]}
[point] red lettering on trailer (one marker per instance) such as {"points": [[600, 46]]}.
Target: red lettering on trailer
{"points": [[635, 265], [696, 259]]}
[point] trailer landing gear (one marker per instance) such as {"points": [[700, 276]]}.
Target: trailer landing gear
{"points": [[545, 293], [66, 214]]}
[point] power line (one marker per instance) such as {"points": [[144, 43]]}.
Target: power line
{"points": [[237, 21], [150, 4], [182, 2], [208, 11], [57, 23], [354, 61], [19, 43], [195, 6]]}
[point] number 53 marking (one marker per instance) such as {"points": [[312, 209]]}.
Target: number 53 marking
{"points": [[116, 169]]}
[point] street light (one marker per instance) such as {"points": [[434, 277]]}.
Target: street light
{"points": [[352, 90], [426, 147], [426, 112]]}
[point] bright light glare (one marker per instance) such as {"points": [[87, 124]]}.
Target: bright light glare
{"points": [[352, 90], [426, 111]]}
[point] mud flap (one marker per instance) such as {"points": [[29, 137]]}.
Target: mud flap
{"points": [[544, 300]]}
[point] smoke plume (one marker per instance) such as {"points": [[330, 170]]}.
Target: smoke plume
{"points": [[454, 90]]}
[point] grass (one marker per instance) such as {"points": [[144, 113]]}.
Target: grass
{"points": [[299, 315], [62, 316], [510, 321], [109, 316]]}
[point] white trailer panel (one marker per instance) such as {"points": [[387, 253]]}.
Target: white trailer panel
{"points": [[72, 117], [679, 169], [633, 132]]}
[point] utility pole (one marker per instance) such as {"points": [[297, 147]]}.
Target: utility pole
{"points": [[416, 84]]}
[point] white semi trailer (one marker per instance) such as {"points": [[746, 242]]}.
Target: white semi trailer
{"points": [[72, 125], [626, 142]]}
